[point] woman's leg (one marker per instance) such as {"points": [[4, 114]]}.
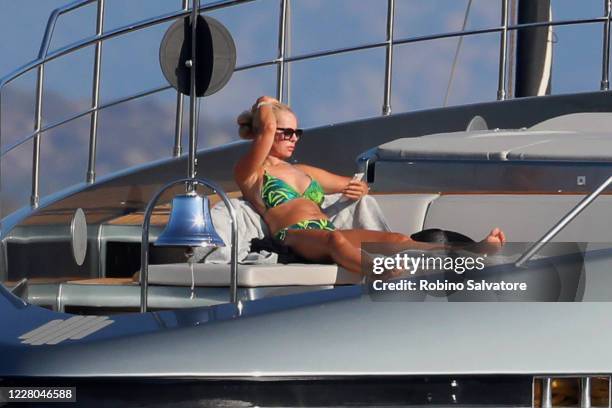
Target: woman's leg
{"points": [[395, 242], [325, 246], [344, 246]]}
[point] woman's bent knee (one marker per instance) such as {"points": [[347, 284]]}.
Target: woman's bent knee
{"points": [[335, 239]]}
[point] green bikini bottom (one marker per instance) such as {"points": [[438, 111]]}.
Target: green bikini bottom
{"points": [[306, 225]]}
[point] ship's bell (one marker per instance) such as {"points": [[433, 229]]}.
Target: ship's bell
{"points": [[190, 224]]}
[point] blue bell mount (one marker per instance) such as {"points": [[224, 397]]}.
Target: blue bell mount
{"points": [[189, 225]]}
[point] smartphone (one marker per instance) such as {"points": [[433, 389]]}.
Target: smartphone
{"points": [[356, 177]]}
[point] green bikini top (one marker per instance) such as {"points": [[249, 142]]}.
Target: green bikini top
{"points": [[276, 191]]}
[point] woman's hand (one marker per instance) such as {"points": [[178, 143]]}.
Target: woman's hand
{"points": [[263, 100], [355, 189], [263, 120]]}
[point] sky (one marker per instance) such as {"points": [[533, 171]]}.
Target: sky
{"points": [[323, 91]]}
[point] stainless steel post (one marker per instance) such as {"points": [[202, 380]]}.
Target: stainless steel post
{"points": [[234, 254], [95, 97], [585, 392], [34, 197], [547, 392], [178, 120], [609, 391], [288, 52], [193, 124], [503, 49], [605, 65], [280, 69], [584, 203], [389, 58], [512, 20], [144, 254], [178, 126]]}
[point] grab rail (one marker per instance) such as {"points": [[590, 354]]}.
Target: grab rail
{"points": [[562, 223], [44, 56]]}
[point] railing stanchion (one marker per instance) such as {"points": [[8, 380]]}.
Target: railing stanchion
{"points": [[585, 392], [178, 125], [503, 50], [178, 120], [389, 58], [280, 70], [95, 97], [547, 401], [288, 39], [34, 197], [605, 65]]}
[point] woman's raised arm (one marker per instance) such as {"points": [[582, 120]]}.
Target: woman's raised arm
{"points": [[263, 128]]}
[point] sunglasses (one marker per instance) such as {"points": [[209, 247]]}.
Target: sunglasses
{"points": [[287, 133]]}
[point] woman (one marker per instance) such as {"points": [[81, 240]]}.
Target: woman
{"points": [[288, 196]]}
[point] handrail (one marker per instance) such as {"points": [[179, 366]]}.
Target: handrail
{"points": [[50, 28], [410, 40], [111, 34], [39, 64], [87, 42], [282, 59], [85, 113], [167, 17], [42, 53], [562, 223]]}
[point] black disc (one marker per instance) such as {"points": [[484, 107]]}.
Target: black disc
{"points": [[215, 56]]}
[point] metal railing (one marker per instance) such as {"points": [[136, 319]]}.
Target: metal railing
{"points": [[584, 391], [562, 223], [280, 62], [95, 96]]}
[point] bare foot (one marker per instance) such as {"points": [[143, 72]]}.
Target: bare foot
{"points": [[492, 242]]}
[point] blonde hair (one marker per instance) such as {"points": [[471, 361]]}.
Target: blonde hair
{"points": [[247, 127]]}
